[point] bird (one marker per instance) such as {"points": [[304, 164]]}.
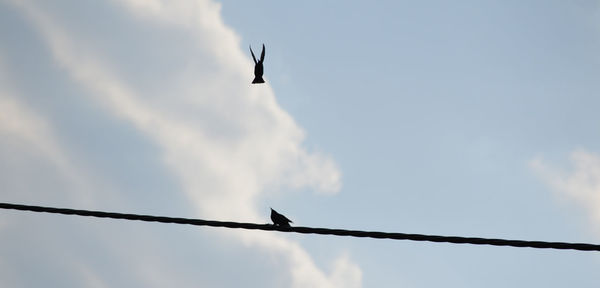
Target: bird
{"points": [[258, 66], [279, 220]]}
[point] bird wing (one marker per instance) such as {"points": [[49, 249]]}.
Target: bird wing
{"points": [[253, 57], [287, 219], [262, 54]]}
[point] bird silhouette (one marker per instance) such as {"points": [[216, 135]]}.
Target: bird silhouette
{"points": [[258, 66], [279, 220]]}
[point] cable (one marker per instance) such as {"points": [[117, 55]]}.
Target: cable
{"points": [[310, 230]]}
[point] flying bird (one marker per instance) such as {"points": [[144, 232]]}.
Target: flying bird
{"points": [[258, 66], [279, 220]]}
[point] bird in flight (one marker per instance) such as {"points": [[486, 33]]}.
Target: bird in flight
{"points": [[279, 220], [258, 66]]}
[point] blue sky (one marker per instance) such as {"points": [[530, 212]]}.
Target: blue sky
{"points": [[471, 118]]}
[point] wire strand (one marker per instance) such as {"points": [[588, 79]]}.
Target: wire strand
{"points": [[309, 230]]}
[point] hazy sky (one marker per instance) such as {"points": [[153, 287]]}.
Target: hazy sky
{"points": [[470, 118]]}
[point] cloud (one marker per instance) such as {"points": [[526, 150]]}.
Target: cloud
{"points": [[225, 141], [580, 183], [35, 169], [346, 274], [26, 141]]}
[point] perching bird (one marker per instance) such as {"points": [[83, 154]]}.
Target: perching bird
{"points": [[258, 66], [279, 220]]}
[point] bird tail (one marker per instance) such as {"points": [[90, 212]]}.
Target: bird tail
{"points": [[258, 80]]}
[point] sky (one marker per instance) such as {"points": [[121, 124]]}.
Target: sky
{"points": [[466, 118]]}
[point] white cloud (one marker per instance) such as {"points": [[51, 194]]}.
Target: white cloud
{"points": [[23, 132], [226, 141], [35, 169], [90, 278], [580, 183], [346, 274]]}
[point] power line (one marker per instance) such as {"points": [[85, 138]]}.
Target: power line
{"points": [[310, 230]]}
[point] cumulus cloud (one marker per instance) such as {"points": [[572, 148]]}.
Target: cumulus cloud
{"points": [[225, 141], [580, 183]]}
